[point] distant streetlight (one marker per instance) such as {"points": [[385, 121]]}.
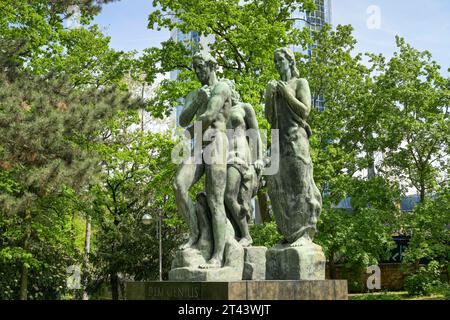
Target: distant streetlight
{"points": [[146, 220]]}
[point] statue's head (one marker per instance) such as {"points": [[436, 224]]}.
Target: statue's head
{"points": [[204, 66], [285, 61]]}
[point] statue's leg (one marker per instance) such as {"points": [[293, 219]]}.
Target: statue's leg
{"points": [[188, 175], [204, 222], [231, 193], [215, 184], [235, 208]]}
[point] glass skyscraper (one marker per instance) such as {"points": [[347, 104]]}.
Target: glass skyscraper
{"points": [[321, 15], [314, 21], [318, 18], [196, 43]]}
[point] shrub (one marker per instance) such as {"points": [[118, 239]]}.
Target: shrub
{"points": [[425, 281], [443, 290], [266, 235]]}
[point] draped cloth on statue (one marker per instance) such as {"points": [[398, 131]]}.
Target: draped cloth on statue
{"points": [[295, 199]]}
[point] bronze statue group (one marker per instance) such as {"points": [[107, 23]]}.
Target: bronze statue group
{"points": [[232, 165]]}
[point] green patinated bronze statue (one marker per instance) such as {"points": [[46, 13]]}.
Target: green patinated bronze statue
{"points": [[245, 166], [231, 160], [295, 199], [210, 105], [218, 219]]}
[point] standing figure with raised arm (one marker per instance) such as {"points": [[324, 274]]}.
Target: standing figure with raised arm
{"points": [[210, 106]]}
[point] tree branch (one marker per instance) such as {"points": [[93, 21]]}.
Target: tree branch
{"points": [[239, 58]]}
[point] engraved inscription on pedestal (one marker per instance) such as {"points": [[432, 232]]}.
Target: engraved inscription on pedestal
{"points": [[239, 290], [187, 292]]}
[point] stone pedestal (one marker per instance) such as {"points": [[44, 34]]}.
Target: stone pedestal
{"points": [[295, 263], [240, 290], [185, 266], [254, 263], [187, 263]]}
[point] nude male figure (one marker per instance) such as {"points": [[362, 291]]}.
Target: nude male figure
{"points": [[210, 105]]}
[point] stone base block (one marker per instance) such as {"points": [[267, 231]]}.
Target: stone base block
{"points": [[254, 263], [295, 263], [185, 266], [196, 274], [240, 290]]}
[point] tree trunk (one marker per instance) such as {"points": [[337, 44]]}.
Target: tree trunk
{"points": [[142, 110], [114, 286], [25, 268], [263, 206], [87, 250], [332, 267], [24, 283], [422, 192], [371, 165]]}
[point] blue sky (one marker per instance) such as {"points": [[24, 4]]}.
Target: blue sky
{"points": [[424, 24]]}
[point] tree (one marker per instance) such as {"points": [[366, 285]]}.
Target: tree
{"points": [[341, 82], [364, 114], [85, 56], [265, 235], [137, 175], [56, 94], [245, 37], [359, 236], [429, 229], [36, 248], [414, 126], [342, 122], [46, 46], [38, 24], [45, 124]]}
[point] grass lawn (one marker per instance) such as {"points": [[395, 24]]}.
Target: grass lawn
{"points": [[403, 295]]}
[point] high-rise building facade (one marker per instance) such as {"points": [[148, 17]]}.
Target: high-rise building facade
{"points": [[314, 21], [196, 43], [192, 38], [318, 18]]}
